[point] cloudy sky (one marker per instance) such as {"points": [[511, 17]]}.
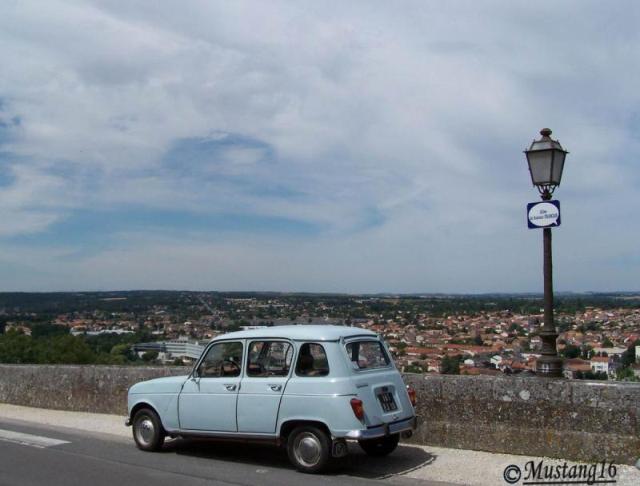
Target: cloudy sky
{"points": [[315, 146]]}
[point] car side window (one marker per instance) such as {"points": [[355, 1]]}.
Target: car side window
{"points": [[312, 360], [269, 358], [222, 359]]}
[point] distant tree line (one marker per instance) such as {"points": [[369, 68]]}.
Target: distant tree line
{"points": [[47, 305], [50, 344]]}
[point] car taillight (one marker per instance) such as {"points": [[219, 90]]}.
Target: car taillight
{"points": [[412, 396], [358, 408]]}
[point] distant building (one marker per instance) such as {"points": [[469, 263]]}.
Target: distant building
{"points": [[170, 350], [78, 332], [433, 366], [536, 343], [600, 364], [610, 351], [574, 366], [18, 328]]}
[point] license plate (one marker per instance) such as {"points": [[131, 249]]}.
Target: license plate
{"points": [[387, 402]]}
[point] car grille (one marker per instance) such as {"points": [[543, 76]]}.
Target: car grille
{"points": [[387, 402]]}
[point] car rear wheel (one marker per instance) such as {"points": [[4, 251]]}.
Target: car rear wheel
{"points": [[147, 430], [382, 446], [309, 449]]}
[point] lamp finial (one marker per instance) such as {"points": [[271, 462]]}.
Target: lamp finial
{"points": [[545, 132]]}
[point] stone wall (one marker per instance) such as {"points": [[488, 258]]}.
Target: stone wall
{"points": [[98, 389], [572, 419], [582, 420]]}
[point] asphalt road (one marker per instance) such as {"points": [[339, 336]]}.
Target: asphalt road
{"points": [[54, 456]]}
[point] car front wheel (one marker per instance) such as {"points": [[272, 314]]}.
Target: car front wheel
{"points": [[380, 447], [147, 430], [309, 449]]}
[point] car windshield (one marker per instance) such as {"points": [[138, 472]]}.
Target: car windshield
{"points": [[366, 355]]}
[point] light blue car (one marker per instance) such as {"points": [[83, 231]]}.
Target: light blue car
{"points": [[309, 388]]}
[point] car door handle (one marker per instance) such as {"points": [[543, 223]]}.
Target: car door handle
{"points": [[275, 387], [230, 387]]}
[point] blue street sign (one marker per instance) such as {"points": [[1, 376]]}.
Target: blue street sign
{"points": [[543, 214]]}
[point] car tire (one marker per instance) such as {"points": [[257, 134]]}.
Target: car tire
{"points": [[147, 430], [309, 449], [380, 447]]}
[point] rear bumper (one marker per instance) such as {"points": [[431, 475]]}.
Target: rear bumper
{"points": [[383, 430]]}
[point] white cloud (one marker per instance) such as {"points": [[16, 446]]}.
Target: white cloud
{"points": [[397, 129]]}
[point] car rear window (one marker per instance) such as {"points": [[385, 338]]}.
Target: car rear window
{"points": [[365, 355]]}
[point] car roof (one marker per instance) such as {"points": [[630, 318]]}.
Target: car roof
{"points": [[304, 332]]}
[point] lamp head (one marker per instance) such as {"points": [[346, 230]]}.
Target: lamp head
{"points": [[546, 161]]}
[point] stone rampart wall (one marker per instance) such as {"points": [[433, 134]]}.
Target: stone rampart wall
{"points": [[573, 419]]}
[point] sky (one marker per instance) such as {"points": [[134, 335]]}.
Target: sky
{"points": [[316, 146]]}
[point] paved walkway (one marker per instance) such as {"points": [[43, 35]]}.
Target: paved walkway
{"points": [[419, 462], [99, 423]]}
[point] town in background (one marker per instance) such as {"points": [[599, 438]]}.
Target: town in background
{"points": [[450, 334]]}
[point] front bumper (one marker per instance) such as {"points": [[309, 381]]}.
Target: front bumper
{"points": [[383, 430]]}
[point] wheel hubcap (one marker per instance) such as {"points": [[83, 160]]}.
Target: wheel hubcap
{"points": [[308, 449], [145, 430]]}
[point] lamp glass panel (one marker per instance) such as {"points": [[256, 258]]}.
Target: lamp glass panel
{"points": [[540, 166], [558, 165], [543, 145]]}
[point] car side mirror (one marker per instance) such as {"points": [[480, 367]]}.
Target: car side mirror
{"points": [[194, 375]]}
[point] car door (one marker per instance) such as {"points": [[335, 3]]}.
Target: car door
{"points": [[267, 369], [208, 399]]}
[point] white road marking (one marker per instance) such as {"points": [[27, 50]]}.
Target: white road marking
{"points": [[30, 440]]}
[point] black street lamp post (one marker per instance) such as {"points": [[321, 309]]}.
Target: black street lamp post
{"points": [[546, 160]]}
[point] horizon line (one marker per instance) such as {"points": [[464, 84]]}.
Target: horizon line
{"points": [[296, 292]]}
